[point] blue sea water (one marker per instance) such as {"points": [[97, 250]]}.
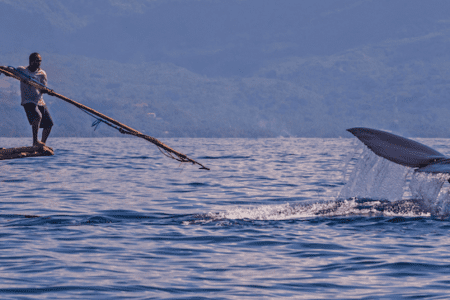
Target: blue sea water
{"points": [[112, 218]]}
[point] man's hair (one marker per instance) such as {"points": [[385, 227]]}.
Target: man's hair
{"points": [[33, 56]]}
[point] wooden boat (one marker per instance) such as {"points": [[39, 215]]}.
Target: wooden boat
{"points": [[22, 152]]}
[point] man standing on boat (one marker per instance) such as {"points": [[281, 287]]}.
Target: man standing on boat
{"points": [[33, 102]]}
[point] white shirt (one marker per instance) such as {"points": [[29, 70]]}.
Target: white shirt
{"points": [[29, 93]]}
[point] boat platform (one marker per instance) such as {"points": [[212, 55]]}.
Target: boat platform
{"points": [[22, 152]]}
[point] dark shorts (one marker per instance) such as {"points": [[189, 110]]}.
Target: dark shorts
{"points": [[34, 111]]}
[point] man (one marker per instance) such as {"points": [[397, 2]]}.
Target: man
{"points": [[33, 102]]}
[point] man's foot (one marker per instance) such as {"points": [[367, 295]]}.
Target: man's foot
{"points": [[39, 144]]}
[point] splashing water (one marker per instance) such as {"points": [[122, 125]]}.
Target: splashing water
{"points": [[374, 186], [374, 177], [429, 188]]}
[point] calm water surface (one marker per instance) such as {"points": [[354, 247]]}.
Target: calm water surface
{"points": [[112, 218]]}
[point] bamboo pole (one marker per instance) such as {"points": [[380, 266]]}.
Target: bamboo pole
{"points": [[11, 72]]}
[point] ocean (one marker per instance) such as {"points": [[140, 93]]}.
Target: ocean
{"points": [[284, 218]]}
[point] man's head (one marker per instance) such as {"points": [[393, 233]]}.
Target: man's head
{"points": [[35, 61]]}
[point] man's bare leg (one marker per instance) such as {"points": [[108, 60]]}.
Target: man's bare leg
{"points": [[35, 129], [45, 134]]}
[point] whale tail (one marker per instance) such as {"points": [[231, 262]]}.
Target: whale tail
{"points": [[403, 151]]}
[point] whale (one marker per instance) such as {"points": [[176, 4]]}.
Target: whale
{"points": [[402, 151]]}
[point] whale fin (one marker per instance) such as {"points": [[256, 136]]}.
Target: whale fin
{"points": [[442, 166], [402, 151]]}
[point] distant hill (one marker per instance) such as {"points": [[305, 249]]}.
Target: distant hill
{"points": [[247, 68]]}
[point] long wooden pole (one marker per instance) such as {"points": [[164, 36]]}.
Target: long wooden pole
{"points": [[11, 72]]}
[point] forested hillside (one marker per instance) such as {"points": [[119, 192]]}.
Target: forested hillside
{"points": [[381, 64]]}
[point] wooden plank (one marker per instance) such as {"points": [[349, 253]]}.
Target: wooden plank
{"points": [[22, 152]]}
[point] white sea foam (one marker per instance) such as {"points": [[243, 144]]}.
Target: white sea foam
{"points": [[334, 208], [286, 211]]}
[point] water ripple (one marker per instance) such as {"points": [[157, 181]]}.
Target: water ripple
{"points": [[110, 219]]}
